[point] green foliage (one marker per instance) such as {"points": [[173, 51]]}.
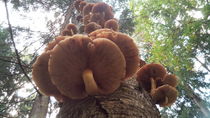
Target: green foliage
{"points": [[176, 34], [11, 80]]}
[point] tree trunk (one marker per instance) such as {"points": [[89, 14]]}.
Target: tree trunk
{"points": [[40, 107], [128, 101]]}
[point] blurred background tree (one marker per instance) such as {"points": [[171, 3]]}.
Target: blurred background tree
{"points": [[176, 34]]}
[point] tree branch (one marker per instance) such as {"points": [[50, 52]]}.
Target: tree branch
{"points": [[16, 51]]}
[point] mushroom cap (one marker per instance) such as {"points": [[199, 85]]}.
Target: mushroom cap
{"points": [[86, 19], [67, 62], [92, 26], [159, 95], [107, 63], [170, 79], [126, 45], [52, 44], [66, 32], [87, 9], [103, 8], [112, 24], [98, 18], [41, 77], [82, 5], [72, 56], [148, 71], [72, 28]]}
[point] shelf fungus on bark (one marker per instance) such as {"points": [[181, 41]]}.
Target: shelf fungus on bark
{"points": [[161, 86], [170, 79], [126, 45], [164, 95], [97, 18], [82, 5], [112, 24], [86, 19], [79, 66], [148, 72], [87, 9], [42, 79], [40, 73], [92, 26], [103, 8]]}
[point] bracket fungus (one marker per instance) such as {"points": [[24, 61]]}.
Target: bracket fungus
{"points": [[78, 65], [92, 26], [112, 24], [126, 45], [87, 9], [71, 59], [164, 95], [161, 86], [149, 72], [170, 79]]}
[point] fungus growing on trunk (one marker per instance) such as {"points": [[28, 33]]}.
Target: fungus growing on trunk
{"points": [[87, 9], [149, 73], [112, 24], [126, 45], [79, 66], [164, 95], [161, 86], [92, 26]]}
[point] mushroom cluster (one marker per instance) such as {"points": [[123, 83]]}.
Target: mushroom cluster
{"points": [[95, 16], [161, 85], [74, 66]]}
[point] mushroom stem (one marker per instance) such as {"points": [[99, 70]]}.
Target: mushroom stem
{"points": [[153, 84], [90, 84], [165, 102]]}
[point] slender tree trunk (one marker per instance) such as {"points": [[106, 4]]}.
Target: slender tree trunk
{"points": [[40, 107], [129, 101], [204, 65], [198, 101]]}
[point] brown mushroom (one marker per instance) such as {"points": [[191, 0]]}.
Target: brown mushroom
{"points": [[40, 76], [76, 4], [103, 8], [86, 19], [98, 18], [52, 44], [170, 79], [82, 5], [79, 66], [149, 74], [87, 9], [164, 95], [126, 45], [112, 24], [66, 32], [92, 26], [72, 28]]}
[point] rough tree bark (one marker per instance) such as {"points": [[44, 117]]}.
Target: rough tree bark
{"points": [[128, 101]]}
